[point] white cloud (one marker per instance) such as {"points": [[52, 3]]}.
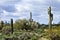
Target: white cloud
{"points": [[4, 14], [23, 8], [2, 2], [58, 0], [22, 17]]}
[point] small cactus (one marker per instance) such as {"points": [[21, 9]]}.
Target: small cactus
{"points": [[2, 24]]}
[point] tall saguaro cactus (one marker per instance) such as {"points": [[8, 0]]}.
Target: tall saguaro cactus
{"points": [[50, 21], [12, 26], [31, 18]]}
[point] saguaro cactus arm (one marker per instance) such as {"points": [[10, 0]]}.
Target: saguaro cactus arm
{"points": [[51, 17]]}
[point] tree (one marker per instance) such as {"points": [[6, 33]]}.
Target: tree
{"points": [[20, 24], [25, 24]]}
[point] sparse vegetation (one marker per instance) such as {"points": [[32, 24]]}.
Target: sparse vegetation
{"points": [[23, 29]]}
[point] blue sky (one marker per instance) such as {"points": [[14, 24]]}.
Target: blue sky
{"points": [[19, 9]]}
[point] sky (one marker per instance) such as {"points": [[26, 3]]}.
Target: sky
{"points": [[20, 9]]}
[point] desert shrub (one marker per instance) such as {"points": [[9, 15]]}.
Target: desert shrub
{"points": [[26, 36], [6, 30], [56, 37]]}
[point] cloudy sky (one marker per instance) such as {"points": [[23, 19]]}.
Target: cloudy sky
{"points": [[19, 9]]}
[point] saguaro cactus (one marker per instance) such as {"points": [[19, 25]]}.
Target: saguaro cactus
{"points": [[2, 23], [50, 21], [30, 18], [12, 26]]}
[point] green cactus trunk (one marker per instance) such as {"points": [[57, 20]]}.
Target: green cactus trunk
{"points": [[2, 24], [30, 18], [50, 22], [12, 26], [50, 26]]}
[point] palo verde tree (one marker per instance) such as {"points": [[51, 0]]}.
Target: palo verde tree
{"points": [[20, 24], [50, 21]]}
